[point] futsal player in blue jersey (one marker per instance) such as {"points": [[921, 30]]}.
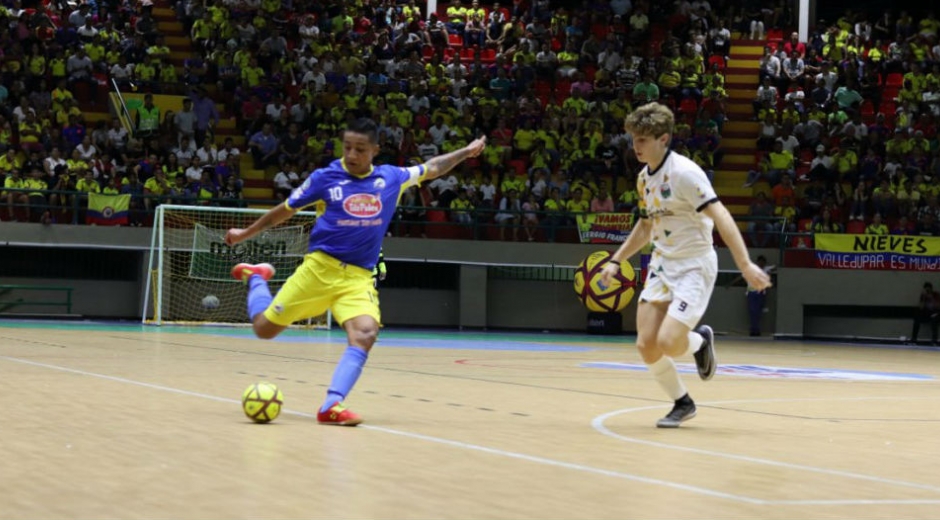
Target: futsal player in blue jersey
{"points": [[360, 200]]}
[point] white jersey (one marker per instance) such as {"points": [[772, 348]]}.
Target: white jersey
{"points": [[673, 198]]}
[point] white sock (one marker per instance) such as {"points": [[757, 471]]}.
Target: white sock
{"points": [[665, 373], [696, 341]]}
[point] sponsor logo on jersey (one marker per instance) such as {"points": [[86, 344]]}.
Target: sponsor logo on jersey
{"points": [[656, 213], [363, 205], [770, 372], [665, 191]]}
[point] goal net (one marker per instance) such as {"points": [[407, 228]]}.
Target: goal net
{"points": [[190, 263]]}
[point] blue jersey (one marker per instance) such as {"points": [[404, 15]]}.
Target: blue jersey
{"points": [[358, 209]]}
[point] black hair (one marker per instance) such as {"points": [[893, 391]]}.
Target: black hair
{"points": [[366, 127]]}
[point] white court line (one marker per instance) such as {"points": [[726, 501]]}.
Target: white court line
{"points": [[855, 502], [494, 451], [418, 436], [598, 424]]}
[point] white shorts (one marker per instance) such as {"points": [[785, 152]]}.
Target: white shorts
{"points": [[687, 283]]}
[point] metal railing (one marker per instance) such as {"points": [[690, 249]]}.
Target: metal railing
{"points": [[478, 223]]}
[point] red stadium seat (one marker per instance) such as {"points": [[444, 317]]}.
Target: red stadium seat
{"points": [[589, 72], [455, 40], [806, 155], [775, 35], [488, 55], [806, 241], [895, 79], [867, 110], [888, 108], [658, 31], [717, 59], [855, 227], [519, 166], [600, 30], [562, 89], [688, 106]]}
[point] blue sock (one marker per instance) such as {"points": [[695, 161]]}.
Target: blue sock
{"points": [[259, 296], [345, 376]]}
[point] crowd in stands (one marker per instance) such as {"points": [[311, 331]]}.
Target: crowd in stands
{"points": [[549, 87], [848, 128]]}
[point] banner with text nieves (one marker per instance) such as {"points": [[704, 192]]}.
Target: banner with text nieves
{"points": [[604, 228], [878, 252]]}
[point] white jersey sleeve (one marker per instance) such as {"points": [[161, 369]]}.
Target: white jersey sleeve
{"points": [[692, 186]]}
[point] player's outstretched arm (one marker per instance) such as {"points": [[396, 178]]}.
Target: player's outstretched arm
{"points": [[442, 164], [639, 237], [731, 235], [273, 217]]}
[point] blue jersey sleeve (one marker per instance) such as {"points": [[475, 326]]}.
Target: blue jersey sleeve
{"points": [[307, 193]]}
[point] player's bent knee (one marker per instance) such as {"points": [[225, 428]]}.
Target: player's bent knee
{"points": [[362, 331], [666, 339], [647, 342], [264, 329], [364, 337]]}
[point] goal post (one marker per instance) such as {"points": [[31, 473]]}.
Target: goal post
{"points": [[188, 275]]}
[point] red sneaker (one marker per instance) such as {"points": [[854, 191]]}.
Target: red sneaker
{"points": [[338, 415], [244, 271]]}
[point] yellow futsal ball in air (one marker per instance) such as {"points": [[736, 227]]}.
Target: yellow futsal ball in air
{"points": [[262, 402], [590, 289]]}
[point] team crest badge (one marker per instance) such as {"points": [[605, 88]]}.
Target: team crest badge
{"points": [[379, 184], [665, 191]]}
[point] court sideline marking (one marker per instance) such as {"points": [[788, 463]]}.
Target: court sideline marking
{"points": [[486, 449], [412, 435], [598, 424]]}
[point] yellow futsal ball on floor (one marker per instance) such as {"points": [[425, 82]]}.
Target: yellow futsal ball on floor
{"points": [[262, 402], [593, 294]]}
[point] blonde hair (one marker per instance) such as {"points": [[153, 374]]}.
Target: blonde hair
{"points": [[651, 119]]}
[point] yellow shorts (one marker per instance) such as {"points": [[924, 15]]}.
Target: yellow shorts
{"points": [[322, 282]]}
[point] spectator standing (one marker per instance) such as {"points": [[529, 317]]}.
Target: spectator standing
{"points": [[928, 311]]}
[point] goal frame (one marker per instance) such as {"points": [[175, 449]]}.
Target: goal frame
{"points": [[155, 268]]}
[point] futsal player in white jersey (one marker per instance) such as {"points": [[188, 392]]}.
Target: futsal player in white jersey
{"points": [[678, 209]]}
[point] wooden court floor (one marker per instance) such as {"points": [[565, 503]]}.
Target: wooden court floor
{"points": [[124, 421]]}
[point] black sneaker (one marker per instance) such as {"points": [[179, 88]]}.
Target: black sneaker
{"points": [[705, 359], [683, 410]]}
